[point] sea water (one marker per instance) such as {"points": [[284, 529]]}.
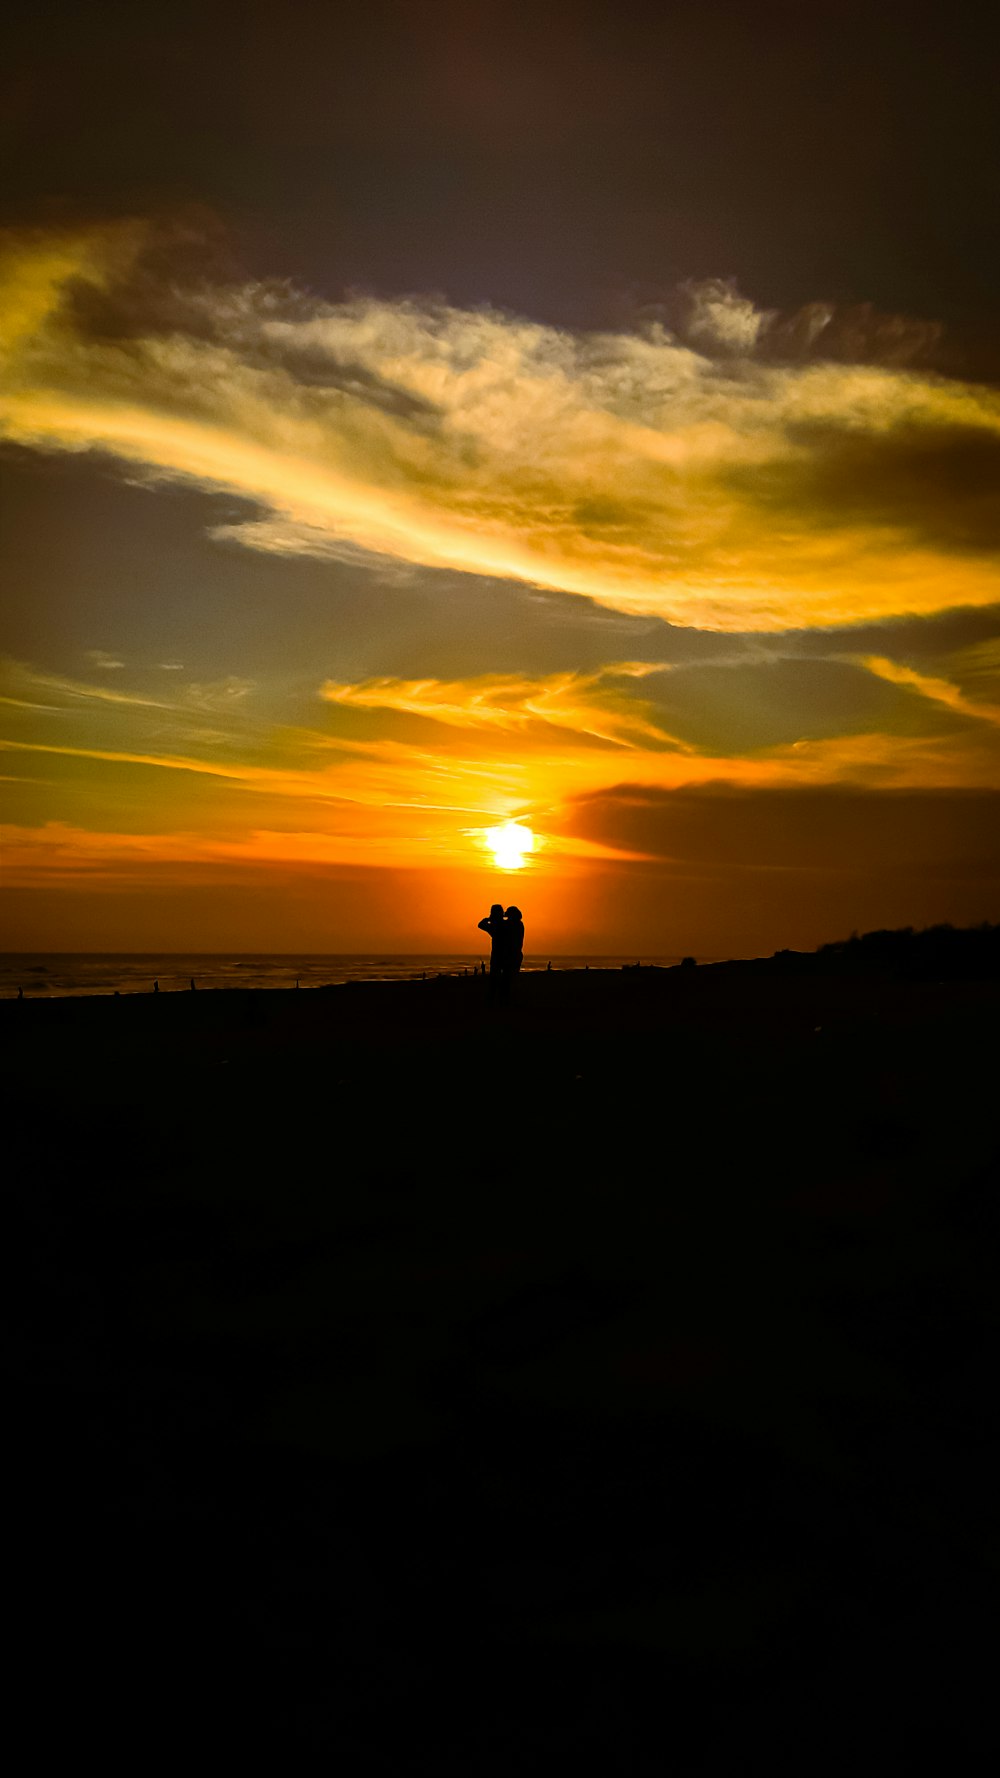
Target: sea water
{"points": [[88, 972]]}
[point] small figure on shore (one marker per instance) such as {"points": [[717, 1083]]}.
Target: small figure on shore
{"points": [[296, 981], [156, 987], [20, 993], [548, 967], [482, 969], [192, 984]]}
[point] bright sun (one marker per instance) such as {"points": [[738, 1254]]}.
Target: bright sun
{"points": [[510, 844]]}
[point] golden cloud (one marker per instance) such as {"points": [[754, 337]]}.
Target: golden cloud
{"points": [[710, 483], [582, 703]]}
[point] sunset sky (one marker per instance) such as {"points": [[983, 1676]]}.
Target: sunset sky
{"points": [[421, 417]]}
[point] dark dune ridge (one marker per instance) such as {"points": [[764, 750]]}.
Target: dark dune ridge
{"points": [[608, 1380]]}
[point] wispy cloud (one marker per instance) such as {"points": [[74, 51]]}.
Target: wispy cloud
{"points": [[937, 690], [82, 692], [727, 475], [585, 704]]}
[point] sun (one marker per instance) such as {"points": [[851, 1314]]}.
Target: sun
{"points": [[510, 844]]}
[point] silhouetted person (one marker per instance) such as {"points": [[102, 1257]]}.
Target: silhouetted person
{"points": [[156, 987], [494, 924], [548, 968], [482, 969], [513, 947], [192, 984], [20, 993]]}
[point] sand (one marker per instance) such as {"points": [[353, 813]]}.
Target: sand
{"points": [[607, 1380]]}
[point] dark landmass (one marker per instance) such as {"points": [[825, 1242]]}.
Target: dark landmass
{"points": [[605, 1381]]}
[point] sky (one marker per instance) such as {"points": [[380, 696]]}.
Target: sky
{"points": [[455, 416]]}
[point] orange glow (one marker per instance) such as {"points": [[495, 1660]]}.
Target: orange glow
{"points": [[665, 563]]}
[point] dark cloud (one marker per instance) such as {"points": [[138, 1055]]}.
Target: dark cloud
{"points": [[840, 832], [712, 315], [939, 484], [906, 639], [166, 287], [855, 333]]}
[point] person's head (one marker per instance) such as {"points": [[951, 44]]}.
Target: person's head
{"points": [[513, 913], [496, 911]]}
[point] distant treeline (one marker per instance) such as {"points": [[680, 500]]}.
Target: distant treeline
{"points": [[935, 953]]}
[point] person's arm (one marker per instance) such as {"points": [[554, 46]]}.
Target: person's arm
{"points": [[484, 925]]}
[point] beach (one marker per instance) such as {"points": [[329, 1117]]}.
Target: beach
{"points": [[604, 1379], [55, 973]]}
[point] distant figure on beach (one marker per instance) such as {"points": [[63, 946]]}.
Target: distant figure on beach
{"points": [[192, 984], [20, 993], [156, 987]]}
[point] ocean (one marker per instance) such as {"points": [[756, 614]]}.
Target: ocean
{"points": [[63, 972]]}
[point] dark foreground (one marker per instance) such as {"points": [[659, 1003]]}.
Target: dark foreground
{"points": [[609, 1382]]}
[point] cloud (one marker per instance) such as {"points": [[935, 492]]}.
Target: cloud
{"points": [[105, 663], [220, 695], [749, 704], [728, 476], [414, 765], [70, 692], [589, 706], [935, 690], [932, 484], [840, 831], [716, 319]]}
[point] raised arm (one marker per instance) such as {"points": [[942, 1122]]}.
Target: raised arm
{"points": [[484, 925]]}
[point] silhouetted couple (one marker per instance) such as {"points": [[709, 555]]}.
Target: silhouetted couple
{"points": [[506, 948]]}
